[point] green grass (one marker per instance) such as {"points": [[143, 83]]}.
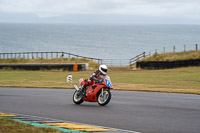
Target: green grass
{"points": [[171, 80], [174, 56], [10, 126], [181, 80]]}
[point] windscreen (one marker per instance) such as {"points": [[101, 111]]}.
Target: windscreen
{"points": [[108, 78]]}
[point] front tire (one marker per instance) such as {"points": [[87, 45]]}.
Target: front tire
{"points": [[105, 99], [77, 98]]}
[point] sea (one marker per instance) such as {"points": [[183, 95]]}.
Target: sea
{"points": [[104, 41]]}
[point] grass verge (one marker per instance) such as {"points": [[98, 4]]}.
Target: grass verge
{"points": [[180, 80], [10, 126]]}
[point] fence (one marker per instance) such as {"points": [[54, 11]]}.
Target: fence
{"points": [[124, 62], [109, 62], [174, 49], [42, 55], [116, 62], [49, 55], [136, 58]]}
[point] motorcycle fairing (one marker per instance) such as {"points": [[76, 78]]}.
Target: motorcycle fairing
{"points": [[91, 93]]}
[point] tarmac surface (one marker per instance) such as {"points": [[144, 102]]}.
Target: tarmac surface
{"points": [[143, 112]]}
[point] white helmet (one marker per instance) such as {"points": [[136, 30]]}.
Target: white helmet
{"points": [[103, 69]]}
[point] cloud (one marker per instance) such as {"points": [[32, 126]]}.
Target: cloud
{"points": [[51, 8]]}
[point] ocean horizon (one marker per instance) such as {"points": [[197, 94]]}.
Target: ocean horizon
{"points": [[105, 41]]}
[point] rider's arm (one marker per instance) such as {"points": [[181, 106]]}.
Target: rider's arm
{"points": [[93, 77]]}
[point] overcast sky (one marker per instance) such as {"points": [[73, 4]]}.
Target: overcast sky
{"points": [[101, 11]]}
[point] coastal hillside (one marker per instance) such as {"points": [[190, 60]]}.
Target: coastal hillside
{"points": [[189, 55], [170, 60]]}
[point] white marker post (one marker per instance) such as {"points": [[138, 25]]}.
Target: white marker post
{"points": [[69, 79]]}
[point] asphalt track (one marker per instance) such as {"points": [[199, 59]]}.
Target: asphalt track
{"points": [[136, 111]]}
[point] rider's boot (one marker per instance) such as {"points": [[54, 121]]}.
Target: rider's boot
{"points": [[85, 95], [84, 91]]}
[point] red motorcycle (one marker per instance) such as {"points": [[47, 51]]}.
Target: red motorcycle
{"points": [[98, 92]]}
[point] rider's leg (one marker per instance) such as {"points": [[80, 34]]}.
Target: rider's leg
{"points": [[85, 88]]}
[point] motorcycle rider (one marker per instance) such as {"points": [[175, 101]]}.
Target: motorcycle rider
{"points": [[96, 77]]}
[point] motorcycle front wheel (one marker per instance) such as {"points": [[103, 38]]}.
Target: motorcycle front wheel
{"points": [[77, 98], [105, 98]]}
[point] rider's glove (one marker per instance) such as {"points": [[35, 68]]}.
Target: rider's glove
{"points": [[101, 80]]}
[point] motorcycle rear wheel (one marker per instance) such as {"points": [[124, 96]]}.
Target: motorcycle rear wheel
{"points": [[77, 98], [105, 99]]}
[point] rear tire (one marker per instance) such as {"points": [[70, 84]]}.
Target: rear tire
{"points": [[105, 99], [77, 98]]}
